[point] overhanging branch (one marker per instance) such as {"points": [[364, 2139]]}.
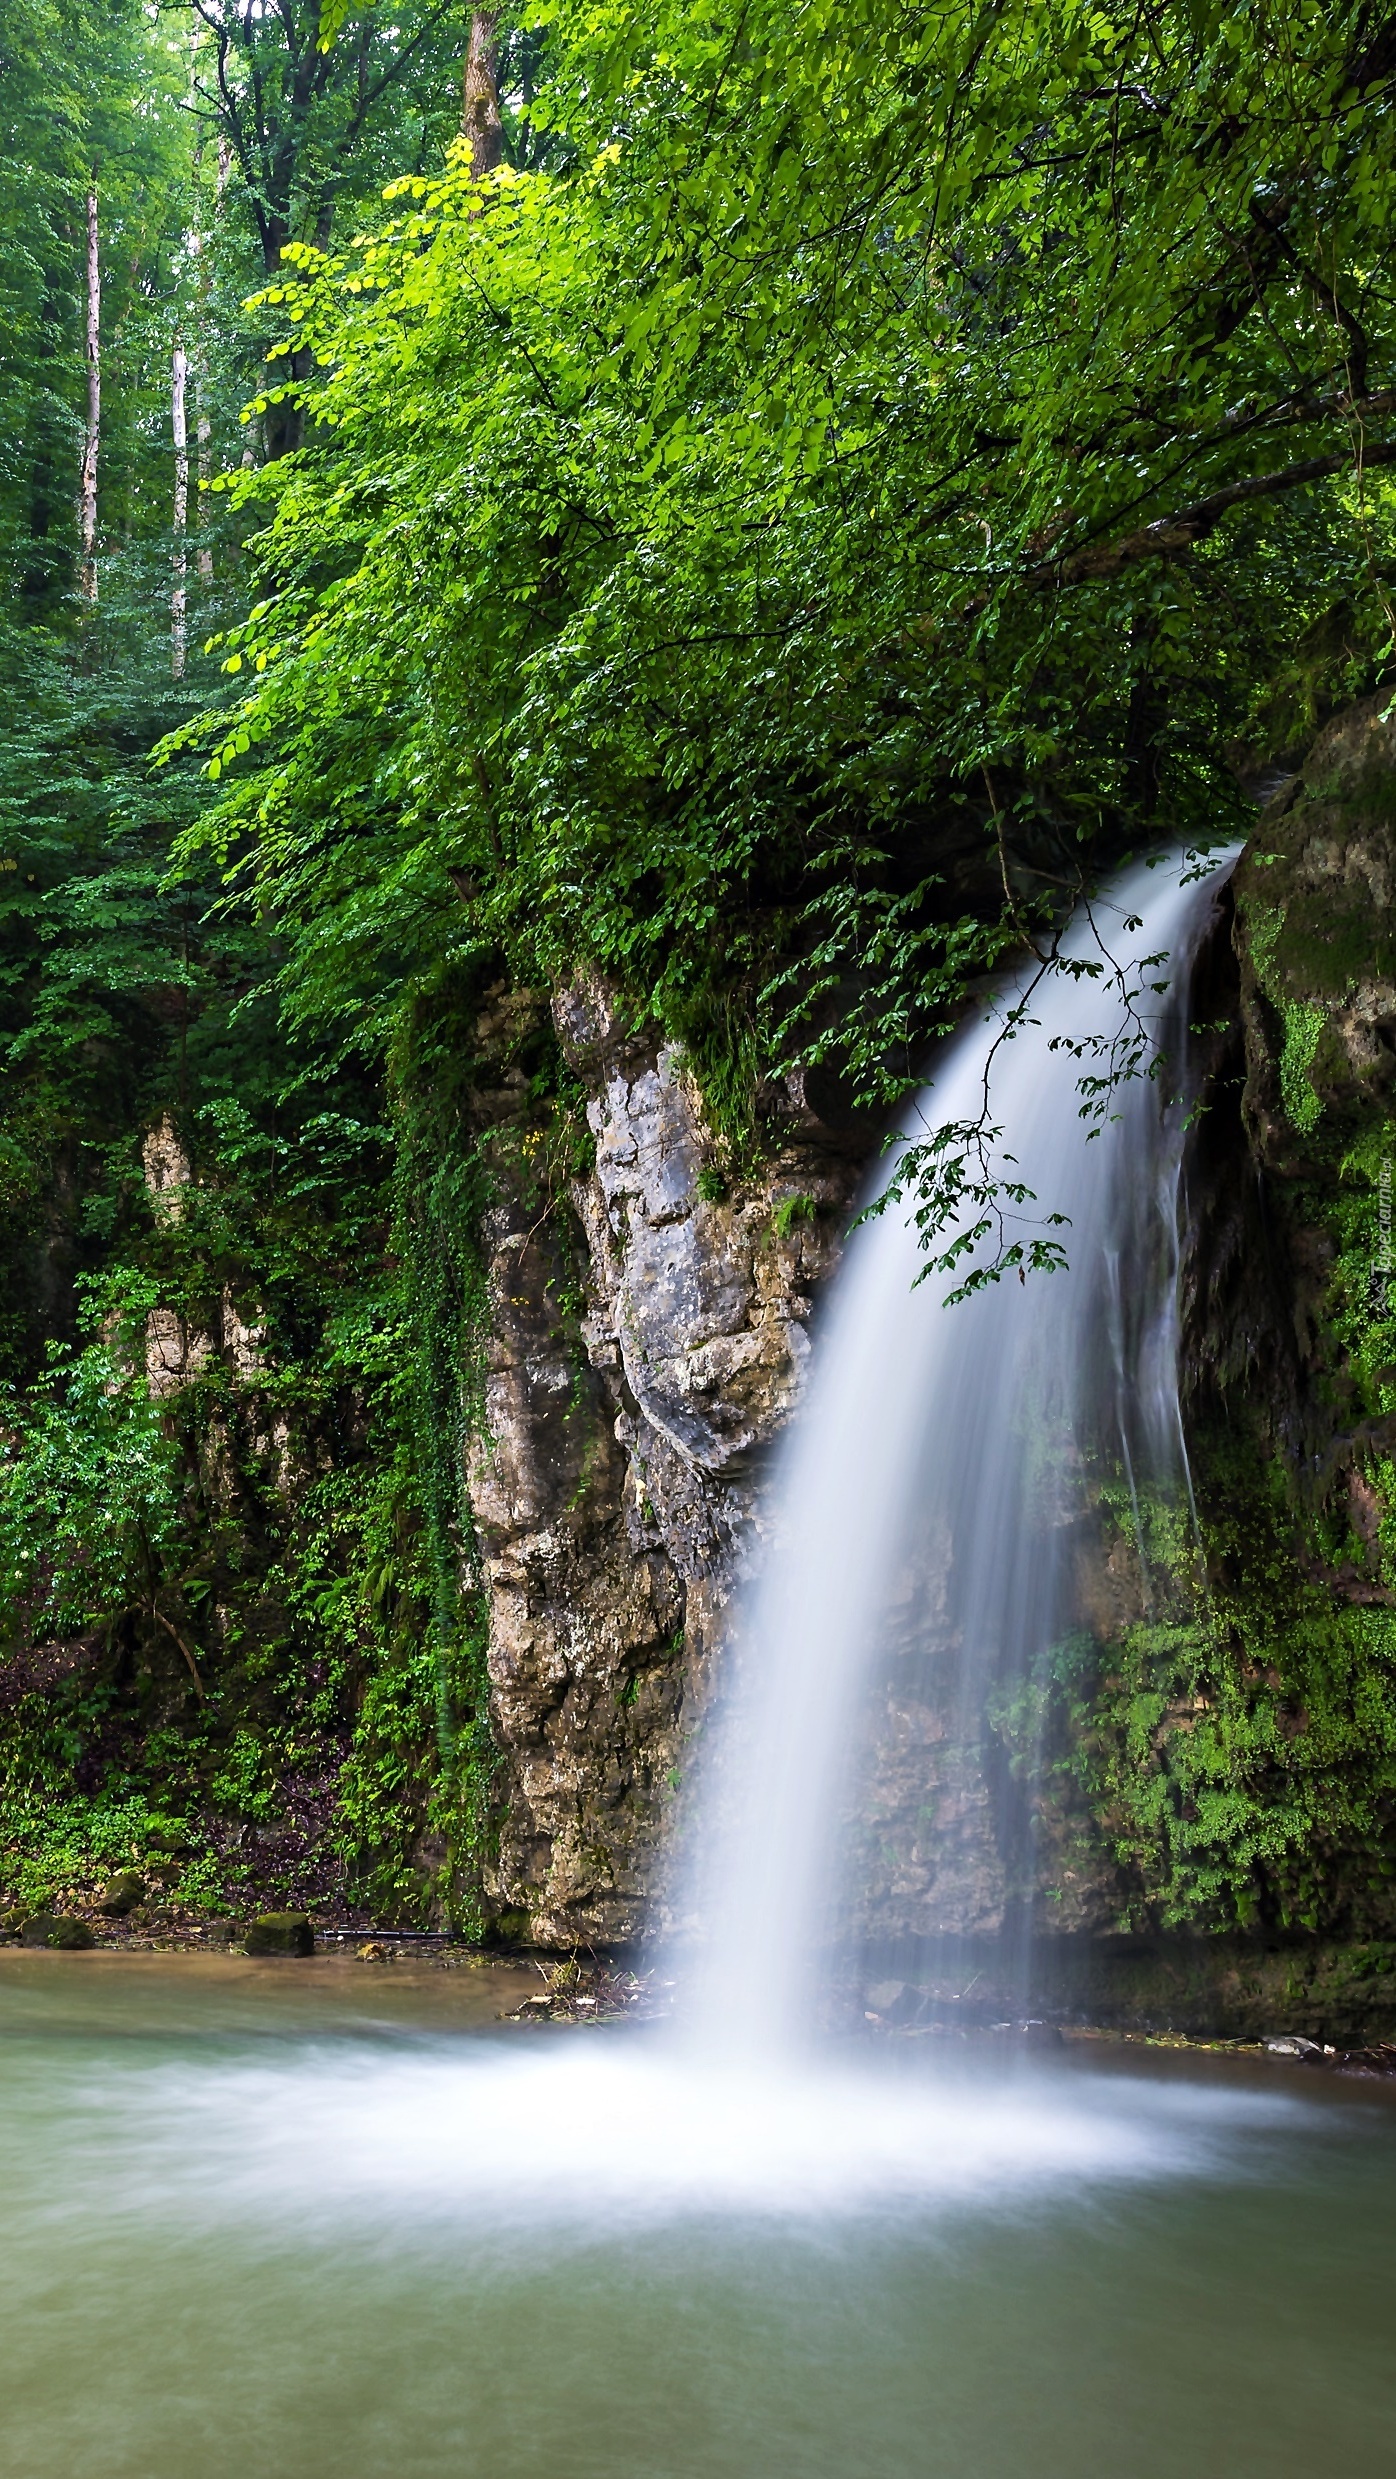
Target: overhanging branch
{"points": [[1189, 526]]}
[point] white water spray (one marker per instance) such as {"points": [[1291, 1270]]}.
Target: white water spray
{"points": [[947, 1442]]}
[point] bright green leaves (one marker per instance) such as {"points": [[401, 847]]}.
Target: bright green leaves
{"points": [[334, 17], [687, 546]]}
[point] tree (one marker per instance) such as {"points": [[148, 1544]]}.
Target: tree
{"points": [[785, 560], [92, 435], [310, 121], [480, 123]]}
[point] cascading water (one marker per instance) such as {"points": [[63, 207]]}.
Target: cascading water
{"points": [[925, 1502]]}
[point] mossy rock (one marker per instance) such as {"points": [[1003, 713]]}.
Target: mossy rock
{"points": [[124, 1895], [63, 1936], [1316, 897], [510, 1928], [12, 1925], [281, 1932]]}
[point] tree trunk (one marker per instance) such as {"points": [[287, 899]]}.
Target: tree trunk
{"points": [[203, 431], [87, 487], [179, 424], [479, 121], [203, 425], [283, 423]]}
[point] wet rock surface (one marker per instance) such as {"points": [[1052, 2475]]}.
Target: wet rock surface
{"points": [[1321, 1998], [1316, 896], [125, 1894], [61, 1934], [644, 1354], [281, 1932], [1377, 2058]]}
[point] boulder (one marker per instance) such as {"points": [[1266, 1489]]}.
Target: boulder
{"points": [[124, 1895], [281, 1932], [50, 1928], [895, 2002]]}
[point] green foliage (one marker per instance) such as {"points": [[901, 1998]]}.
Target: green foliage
{"points": [[1303, 1024], [227, 1612], [1303, 1031], [90, 1502], [89, 96], [337, 1651], [791, 1211], [780, 558], [1238, 1751]]}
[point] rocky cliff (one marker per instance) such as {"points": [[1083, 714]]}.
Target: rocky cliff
{"points": [[646, 1346], [1221, 1761]]}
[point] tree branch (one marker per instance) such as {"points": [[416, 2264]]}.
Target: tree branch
{"points": [[1188, 526], [162, 1620]]}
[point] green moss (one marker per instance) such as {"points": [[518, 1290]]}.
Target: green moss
{"points": [[281, 1932], [63, 1936], [1237, 1753], [1303, 1022], [1303, 1030]]}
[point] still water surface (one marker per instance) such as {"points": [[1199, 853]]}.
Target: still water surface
{"points": [[326, 2222]]}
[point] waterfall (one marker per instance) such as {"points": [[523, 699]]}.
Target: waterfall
{"points": [[925, 1496]]}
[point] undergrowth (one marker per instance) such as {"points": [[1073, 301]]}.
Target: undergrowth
{"points": [[243, 1630]]}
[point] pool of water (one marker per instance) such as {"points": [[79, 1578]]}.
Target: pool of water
{"points": [[325, 2222]]}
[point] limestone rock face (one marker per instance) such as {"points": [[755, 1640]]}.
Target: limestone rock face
{"points": [[1314, 1059], [642, 1360], [167, 1169], [175, 1351], [585, 1612], [1316, 898]]}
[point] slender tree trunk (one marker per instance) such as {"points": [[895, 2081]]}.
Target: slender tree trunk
{"points": [[87, 487], [200, 243], [204, 435], [179, 598], [479, 121], [203, 426]]}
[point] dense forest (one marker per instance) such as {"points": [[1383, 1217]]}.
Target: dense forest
{"points": [[755, 510]]}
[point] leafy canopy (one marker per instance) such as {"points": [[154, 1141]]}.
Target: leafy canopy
{"points": [[782, 556]]}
